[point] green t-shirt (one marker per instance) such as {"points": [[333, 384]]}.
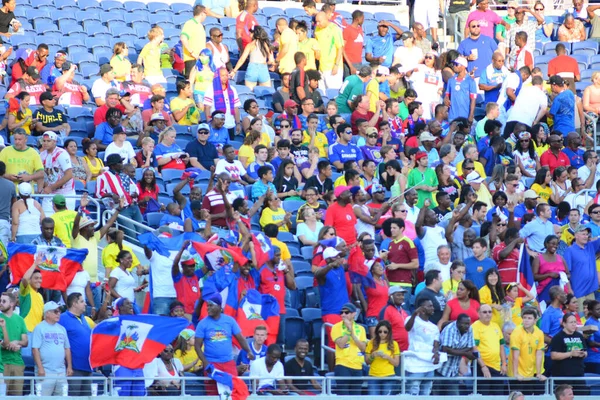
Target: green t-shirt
{"points": [[501, 29], [353, 86], [15, 326], [403, 113], [479, 129], [417, 178]]}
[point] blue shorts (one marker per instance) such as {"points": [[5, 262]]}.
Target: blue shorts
{"points": [[371, 321], [257, 73]]}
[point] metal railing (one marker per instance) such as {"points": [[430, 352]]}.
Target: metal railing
{"points": [[94, 211], [122, 224]]}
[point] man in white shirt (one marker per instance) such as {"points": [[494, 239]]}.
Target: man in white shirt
{"points": [[59, 172], [163, 290], [411, 205], [102, 84], [530, 106], [508, 91], [589, 173], [270, 372]]}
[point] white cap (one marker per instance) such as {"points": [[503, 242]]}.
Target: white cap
{"points": [[51, 135], [25, 189], [462, 61], [474, 177], [330, 252]]}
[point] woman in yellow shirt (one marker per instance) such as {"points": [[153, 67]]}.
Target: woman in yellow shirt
{"points": [[383, 355], [120, 63], [246, 151], [90, 149], [186, 353], [273, 213], [492, 293], [150, 56], [541, 185], [19, 113], [457, 274], [540, 135]]}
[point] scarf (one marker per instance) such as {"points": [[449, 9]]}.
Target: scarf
{"points": [[219, 98]]}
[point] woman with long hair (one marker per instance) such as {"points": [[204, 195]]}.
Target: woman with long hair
{"points": [[396, 180], [285, 182], [492, 293], [525, 155], [120, 63], [27, 215], [512, 297], [81, 171], [186, 352], [541, 184], [94, 164], [383, 355], [246, 152], [466, 301], [428, 83], [457, 274], [147, 188], [540, 134], [377, 295], [547, 267], [445, 182], [560, 184], [497, 178], [19, 113], [122, 283], [273, 213], [260, 62], [447, 64], [400, 210]]}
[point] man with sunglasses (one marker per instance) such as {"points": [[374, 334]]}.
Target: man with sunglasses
{"points": [[573, 149], [492, 360], [554, 157], [477, 49]]}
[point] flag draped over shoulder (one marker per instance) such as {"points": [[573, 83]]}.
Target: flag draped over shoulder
{"points": [[360, 268], [229, 386], [58, 267], [132, 341], [257, 309]]}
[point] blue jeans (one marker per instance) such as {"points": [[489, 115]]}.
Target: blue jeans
{"points": [[97, 294], [381, 387], [132, 212], [347, 387], [127, 387], [418, 386], [160, 305]]}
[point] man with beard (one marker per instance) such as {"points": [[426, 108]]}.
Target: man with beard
{"points": [[299, 150], [301, 366]]}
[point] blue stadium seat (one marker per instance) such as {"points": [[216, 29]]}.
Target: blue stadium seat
{"points": [[171, 186], [134, 6], [137, 18], [587, 74], [582, 59], [46, 27], [292, 205], [82, 56], [544, 68], [293, 331], [544, 58], [311, 314], [154, 218], [94, 28], [179, 8], [286, 237], [165, 199], [88, 4], [307, 252], [110, 5], [156, 7], [79, 112], [70, 5], [84, 16], [170, 175], [39, 16], [302, 267], [580, 87]]}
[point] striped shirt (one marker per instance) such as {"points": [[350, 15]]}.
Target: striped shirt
{"points": [[109, 183], [213, 202], [452, 338]]}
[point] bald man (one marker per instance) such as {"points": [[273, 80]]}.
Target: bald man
{"points": [[329, 37]]}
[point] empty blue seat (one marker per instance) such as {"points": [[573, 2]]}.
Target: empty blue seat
{"points": [[88, 4], [292, 205], [307, 252], [91, 187], [294, 331], [179, 8], [154, 218], [586, 74], [310, 314], [302, 266], [111, 5], [39, 16], [134, 6], [156, 7], [70, 5]]}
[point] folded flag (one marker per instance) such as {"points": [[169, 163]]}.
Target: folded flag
{"points": [[230, 387], [525, 273], [132, 341], [258, 309], [217, 257], [58, 267], [359, 268]]}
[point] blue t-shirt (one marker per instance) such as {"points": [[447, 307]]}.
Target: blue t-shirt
{"points": [[476, 270], [563, 112], [382, 46], [104, 133], [483, 144], [551, 321], [461, 92], [593, 352], [342, 153], [576, 158], [243, 356], [218, 335], [49, 73], [79, 334], [486, 46], [169, 219], [219, 136], [253, 169], [494, 78], [582, 262], [162, 149], [333, 293]]}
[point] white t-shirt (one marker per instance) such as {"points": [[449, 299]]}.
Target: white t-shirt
{"points": [[259, 369], [209, 101], [443, 268], [584, 172], [79, 283], [235, 169], [421, 338], [125, 283], [126, 151], [55, 165], [511, 82], [529, 102], [162, 281], [434, 237], [410, 57], [99, 88]]}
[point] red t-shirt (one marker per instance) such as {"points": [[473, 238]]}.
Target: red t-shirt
{"points": [[354, 41], [100, 113], [456, 309], [273, 283], [562, 64], [70, 94], [402, 251], [144, 194], [356, 115], [34, 90], [509, 266], [396, 318], [343, 220], [548, 159], [246, 22], [188, 291], [377, 297]]}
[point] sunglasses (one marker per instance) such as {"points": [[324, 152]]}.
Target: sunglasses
{"points": [[595, 212], [286, 126], [383, 331], [486, 312], [221, 35], [348, 132], [345, 312], [469, 168], [524, 140], [429, 57], [56, 311], [203, 133], [372, 136], [475, 26], [539, 9], [500, 224], [168, 351], [402, 211]]}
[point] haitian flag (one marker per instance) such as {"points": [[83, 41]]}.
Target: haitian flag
{"points": [[229, 386], [58, 267], [257, 309], [132, 341], [262, 248], [360, 268], [217, 257], [525, 273], [165, 245]]}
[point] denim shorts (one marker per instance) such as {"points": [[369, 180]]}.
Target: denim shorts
{"points": [[257, 73], [371, 321]]}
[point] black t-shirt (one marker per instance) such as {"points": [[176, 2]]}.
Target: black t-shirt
{"points": [[300, 153], [5, 19], [205, 154], [285, 185], [280, 97], [322, 188], [297, 79], [438, 300], [50, 119], [439, 213], [459, 5], [563, 343], [292, 368]]}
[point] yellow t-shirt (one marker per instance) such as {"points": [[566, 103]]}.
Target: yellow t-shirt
{"points": [[109, 257], [544, 193], [90, 264], [26, 126], [488, 339], [204, 79], [527, 344], [330, 42], [31, 306], [63, 225], [485, 297], [449, 285], [94, 169], [17, 161], [342, 181], [308, 47], [373, 90], [379, 366], [320, 143], [289, 37], [265, 139], [196, 36], [540, 149], [150, 55], [478, 168], [246, 151], [285, 251], [189, 357], [350, 356], [515, 311], [483, 194], [121, 67], [192, 116], [269, 216]]}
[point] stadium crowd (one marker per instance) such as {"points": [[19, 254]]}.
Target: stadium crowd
{"points": [[438, 205]]}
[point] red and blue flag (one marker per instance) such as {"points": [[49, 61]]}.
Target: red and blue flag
{"points": [[217, 257], [525, 273], [132, 341], [58, 267], [257, 309], [229, 386]]}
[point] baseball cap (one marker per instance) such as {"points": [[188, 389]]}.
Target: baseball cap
{"points": [[371, 130], [365, 71], [214, 298], [25, 189], [104, 68], [427, 137], [474, 177], [187, 334], [340, 189], [375, 188], [461, 61], [33, 72], [556, 80], [330, 252], [350, 307], [355, 189], [407, 35], [157, 117], [46, 96], [59, 200], [419, 155], [219, 116], [113, 159], [51, 135], [582, 228], [203, 127], [51, 306], [531, 194], [396, 289], [187, 259], [290, 103]]}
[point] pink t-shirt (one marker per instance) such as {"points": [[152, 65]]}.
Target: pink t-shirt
{"points": [[487, 20]]}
